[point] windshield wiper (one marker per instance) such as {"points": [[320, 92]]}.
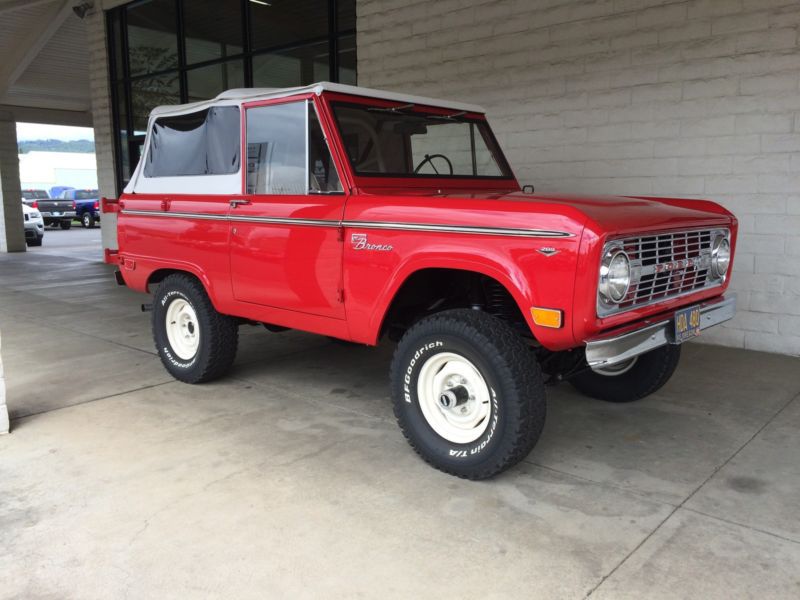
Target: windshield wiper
{"points": [[452, 117], [391, 109]]}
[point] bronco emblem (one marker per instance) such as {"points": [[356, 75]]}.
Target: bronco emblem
{"points": [[360, 242]]}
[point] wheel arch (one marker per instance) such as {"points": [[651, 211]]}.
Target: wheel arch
{"points": [[460, 279], [158, 275]]}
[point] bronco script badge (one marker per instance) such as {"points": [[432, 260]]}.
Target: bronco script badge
{"points": [[360, 242]]}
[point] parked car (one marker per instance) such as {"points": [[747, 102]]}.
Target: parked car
{"points": [[87, 205], [29, 196], [56, 212], [34, 226], [360, 214]]}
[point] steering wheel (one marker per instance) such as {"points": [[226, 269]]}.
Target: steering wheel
{"points": [[429, 159]]}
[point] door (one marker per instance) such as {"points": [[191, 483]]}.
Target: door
{"points": [[286, 246]]}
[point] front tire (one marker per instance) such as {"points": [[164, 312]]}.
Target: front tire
{"points": [[195, 342], [467, 393], [630, 381]]}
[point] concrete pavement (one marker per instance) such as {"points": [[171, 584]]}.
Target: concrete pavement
{"points": [[289, 479]]}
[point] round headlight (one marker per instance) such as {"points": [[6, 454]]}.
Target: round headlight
{"points": [[615, 275], [720, 256]]}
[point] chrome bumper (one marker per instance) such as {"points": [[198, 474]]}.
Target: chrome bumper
{"points": [[631, 341]]}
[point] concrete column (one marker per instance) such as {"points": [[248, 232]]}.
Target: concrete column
{"points": [[102, 118], [12, 228], [3, 407]]}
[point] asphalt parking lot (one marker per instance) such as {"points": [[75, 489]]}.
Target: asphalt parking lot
{"points": [[290, 479]]}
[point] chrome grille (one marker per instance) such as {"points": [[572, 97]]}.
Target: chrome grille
{"points": [[663, 266]]}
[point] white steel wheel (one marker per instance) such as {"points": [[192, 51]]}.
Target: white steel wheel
{"points": [[617, 369], [454, 398], [183, 330]]}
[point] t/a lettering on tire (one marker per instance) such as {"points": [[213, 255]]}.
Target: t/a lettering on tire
{"points": [[467, 393], [195, 342]]}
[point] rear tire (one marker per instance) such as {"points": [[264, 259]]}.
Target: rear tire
{"points": [[645, 376], [65, 225], [492, 375], [195, 342], [87, 220]]}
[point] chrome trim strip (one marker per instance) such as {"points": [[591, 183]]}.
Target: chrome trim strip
{"points": [[602, 352], [506, 231]]}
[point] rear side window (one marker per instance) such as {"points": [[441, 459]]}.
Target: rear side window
{"points": [[199, 143]]}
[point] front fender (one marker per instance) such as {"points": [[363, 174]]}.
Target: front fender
{"points": [[373, 279]]}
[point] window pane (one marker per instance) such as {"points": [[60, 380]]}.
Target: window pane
{"points": [[300, 66], [380, 141], [200, 143], [275, 23], [446, 149], [346, 19], [213, 29], [276, 149], [347, 59], [148, 93], [116, 53], [207, 82], [322, 174], [152, 36]]}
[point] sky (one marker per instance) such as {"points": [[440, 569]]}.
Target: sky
{"points": [[37, 131]]}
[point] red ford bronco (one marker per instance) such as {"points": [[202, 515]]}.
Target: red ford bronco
{"points": [[357, 214]]}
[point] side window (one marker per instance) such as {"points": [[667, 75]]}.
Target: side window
{"points": [[199, 143], [322, 174], [276, 149]]}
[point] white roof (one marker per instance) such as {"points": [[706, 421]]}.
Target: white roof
{"points": [[237, 96]]}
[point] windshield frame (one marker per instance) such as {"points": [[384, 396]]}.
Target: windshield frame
{"points": [[505, 180]]}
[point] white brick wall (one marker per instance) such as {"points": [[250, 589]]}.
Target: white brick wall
{"points": [[102, 119], [697, 98]]}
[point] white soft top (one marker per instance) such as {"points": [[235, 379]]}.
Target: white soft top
{"points": [[237, 96]]}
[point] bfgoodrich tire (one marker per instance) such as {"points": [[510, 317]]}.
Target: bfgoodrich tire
{"points": [[630, 381], [482, 368], [195, 342]]}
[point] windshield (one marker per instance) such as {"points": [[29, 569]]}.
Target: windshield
{"points": [[85, 194], [34, 195], [401, 142]]}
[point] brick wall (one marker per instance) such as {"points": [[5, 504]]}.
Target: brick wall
{"points": [[102, 119], [696, 98], [12, 232]]}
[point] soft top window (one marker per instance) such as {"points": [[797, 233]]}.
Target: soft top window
{"points": [[205, 142]]}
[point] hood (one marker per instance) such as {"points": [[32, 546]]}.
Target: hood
{"points": [[605, 214]]}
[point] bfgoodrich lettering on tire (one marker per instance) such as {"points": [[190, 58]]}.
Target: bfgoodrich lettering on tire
{"points": [[467, 393], [195, 342]]}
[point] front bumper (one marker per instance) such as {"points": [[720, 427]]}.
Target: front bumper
{"points": [[632, 340]]}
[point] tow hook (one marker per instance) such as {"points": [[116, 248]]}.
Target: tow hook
{"points": [[147, 307]]}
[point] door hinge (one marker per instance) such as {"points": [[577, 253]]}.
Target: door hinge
{"points": [[340, 234], [340, 296]]}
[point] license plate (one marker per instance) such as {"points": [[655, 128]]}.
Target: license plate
{"points": [[56, 214], [687, 324]]}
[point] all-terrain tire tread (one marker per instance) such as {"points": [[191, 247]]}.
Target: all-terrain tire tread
{"points": [[223, 331], [523, 373]]}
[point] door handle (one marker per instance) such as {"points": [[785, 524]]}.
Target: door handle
{"points": [[235, 203]]}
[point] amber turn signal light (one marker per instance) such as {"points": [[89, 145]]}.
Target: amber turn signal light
{"points": [[546, 317]]}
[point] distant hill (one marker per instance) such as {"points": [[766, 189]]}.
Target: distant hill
{"points": [[55, 146]]}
